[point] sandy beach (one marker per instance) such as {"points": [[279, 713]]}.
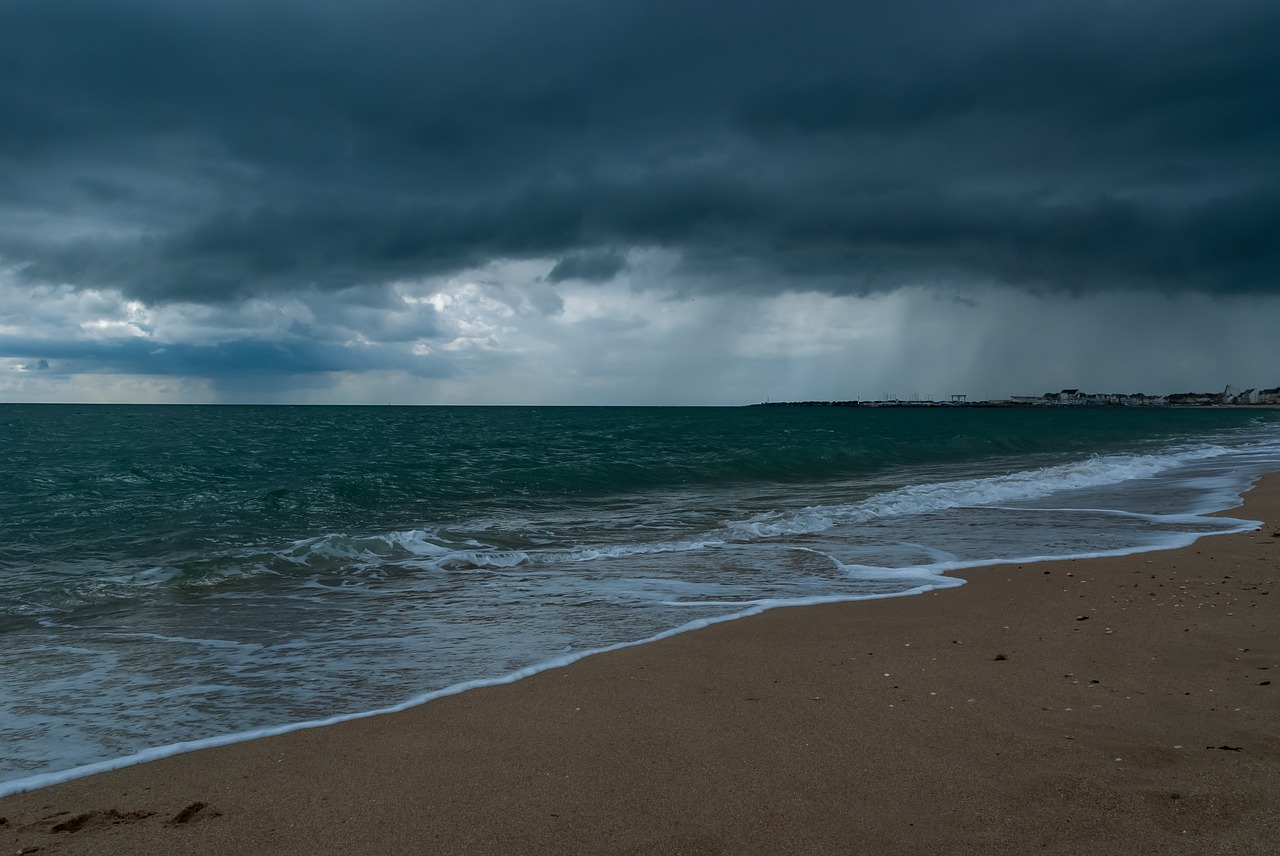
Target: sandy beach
{"points": [[1122, 705]]}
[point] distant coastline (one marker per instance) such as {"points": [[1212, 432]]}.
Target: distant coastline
{"points": [[1229, 397]]}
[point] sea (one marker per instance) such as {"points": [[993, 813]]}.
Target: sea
{"points": [[186, 576]]}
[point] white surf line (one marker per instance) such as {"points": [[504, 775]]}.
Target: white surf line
{"points": [[42, 780]]}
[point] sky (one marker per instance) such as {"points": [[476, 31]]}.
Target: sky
{"points": [[635, 201]]}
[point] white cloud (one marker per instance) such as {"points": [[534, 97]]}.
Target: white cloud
{"points": [[106, 328]]}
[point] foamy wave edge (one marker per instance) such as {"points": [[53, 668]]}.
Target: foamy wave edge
{"points": [[1096, 471], [43, 780], [914, 499], [157, 753]]}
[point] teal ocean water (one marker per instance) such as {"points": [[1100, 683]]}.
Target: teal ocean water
{"points": [[190, 575]]}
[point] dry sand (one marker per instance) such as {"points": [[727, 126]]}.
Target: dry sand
{"points": [[1127, 705]]}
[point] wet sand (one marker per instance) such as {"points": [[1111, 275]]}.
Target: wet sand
{"points": [[1126, 705]]}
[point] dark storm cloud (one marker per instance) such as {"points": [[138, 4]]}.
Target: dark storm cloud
{"points": [[599, 266], [218, 148]]}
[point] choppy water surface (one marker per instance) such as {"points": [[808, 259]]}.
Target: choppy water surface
{"points": [[185, 573]]}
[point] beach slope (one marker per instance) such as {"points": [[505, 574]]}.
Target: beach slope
{"points": [[1121, 705]]}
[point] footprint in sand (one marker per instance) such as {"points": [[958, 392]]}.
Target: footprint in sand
{"points": [[99, 818], [196, 811]]}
